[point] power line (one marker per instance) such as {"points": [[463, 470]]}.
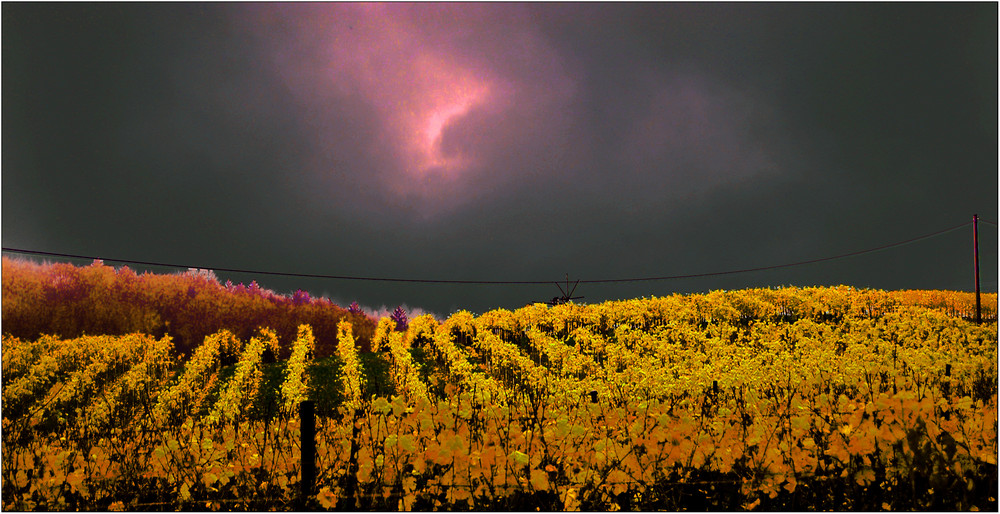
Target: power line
{"points": [[278, 273], [491, 282]]}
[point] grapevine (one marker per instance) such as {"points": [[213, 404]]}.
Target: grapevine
{"points": [[811, 398]]}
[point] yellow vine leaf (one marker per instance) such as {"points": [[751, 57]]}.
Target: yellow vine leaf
{"points": [[539, 480], [864, 477], [326, 498]]}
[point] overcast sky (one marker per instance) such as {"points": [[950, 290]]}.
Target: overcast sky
{"points": [[506, 142]]}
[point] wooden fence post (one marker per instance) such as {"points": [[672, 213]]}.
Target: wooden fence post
{"points": [[307, 419]]}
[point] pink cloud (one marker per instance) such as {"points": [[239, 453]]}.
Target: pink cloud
{"points": [[450, 86]]}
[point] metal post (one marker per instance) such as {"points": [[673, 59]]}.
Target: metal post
{"points": [[975, 246], [307, 418]]}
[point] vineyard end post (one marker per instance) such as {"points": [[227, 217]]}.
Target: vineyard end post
{"points": [[307, 418]]}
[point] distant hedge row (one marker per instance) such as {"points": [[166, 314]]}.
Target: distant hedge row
{"points": [[69, 301]]}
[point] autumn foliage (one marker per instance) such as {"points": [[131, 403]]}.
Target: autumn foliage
{"points": [[787, 399], [70, 301]]}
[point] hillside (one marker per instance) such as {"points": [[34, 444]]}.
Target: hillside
{"points": [[801, 399]]}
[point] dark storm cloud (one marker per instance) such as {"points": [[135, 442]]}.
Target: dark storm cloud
{"points": [[505, 142], [138, 125]]}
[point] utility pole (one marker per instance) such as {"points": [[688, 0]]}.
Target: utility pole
{"points": [[975, 249]]}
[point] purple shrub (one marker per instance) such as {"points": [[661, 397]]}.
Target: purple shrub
{"points": [[399, 316], [354, 308], [300, 297]]}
